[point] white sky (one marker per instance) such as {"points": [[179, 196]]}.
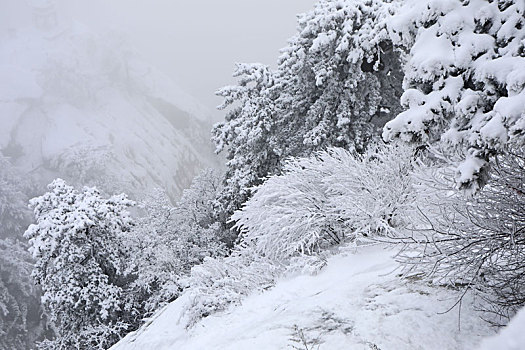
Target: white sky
{"points": [[198, 42]]}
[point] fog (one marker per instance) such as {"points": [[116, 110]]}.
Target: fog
{"points": [[195, 42], [142, 62]]}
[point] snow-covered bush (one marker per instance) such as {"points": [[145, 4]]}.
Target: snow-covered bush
{"points": [[168, 240], [180, 250], [198, 208], [325, 199], [318, 201], [81, 263], [475, 243], [291, 212], [219, 283], [90, 337], [154, 263], [464, 79]]}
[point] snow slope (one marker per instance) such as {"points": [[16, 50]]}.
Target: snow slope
{"points": [[355, 302], [83, 106]]}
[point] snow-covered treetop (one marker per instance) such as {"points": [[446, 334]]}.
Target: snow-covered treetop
{"points": [[65, 216], [353, 28], [465, 76], [337, 73], [340, 77]]}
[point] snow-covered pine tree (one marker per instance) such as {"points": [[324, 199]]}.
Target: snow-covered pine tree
{"points": [[465, 78], [77, 242], [337, 83], [340, 78], [246, 134], [218, 283]]}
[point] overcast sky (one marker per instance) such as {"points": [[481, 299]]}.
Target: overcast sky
{"points": [[197, 42]]}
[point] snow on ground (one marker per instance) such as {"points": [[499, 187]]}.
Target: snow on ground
{"points": [[511, 337], [355, 302]]}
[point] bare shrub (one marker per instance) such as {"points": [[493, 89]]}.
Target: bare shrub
{"points": [[474, 243]]}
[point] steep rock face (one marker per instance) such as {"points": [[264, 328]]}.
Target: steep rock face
{"points": [[83, 106]]}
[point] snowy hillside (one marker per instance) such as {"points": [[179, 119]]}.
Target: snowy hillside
{"points": [[372, 193], [83, 106], [355, 302]]}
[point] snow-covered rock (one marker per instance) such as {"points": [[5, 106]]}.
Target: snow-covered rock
{"points": [[355, 302]]}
